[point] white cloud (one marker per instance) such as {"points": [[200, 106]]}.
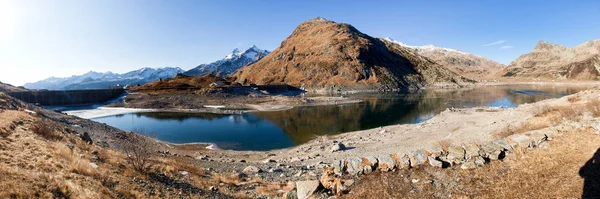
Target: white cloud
{"points": [[495, 43], [506, 47]]}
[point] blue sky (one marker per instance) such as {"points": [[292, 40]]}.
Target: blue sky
{"points": [[44, 38]]}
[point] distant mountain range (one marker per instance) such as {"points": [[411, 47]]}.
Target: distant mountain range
{"points": [[97, 80], [548, 61], [469, 65], [232, 62]]}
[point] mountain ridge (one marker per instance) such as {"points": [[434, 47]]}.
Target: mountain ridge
{"points": [[557, 62], [322, 54], [102, 80]]}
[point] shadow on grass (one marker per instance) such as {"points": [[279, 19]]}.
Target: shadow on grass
{"points": [[590, 172]]}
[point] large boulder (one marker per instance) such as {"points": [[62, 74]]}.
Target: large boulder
{"points": [[492, 151], [419, 157], [472, 151], [353, 166], [456, 155], [307, 188], [339, 167], [402, 161], [385, 163], [368, 164], [434, 163], [504, 144], [520, 141]]}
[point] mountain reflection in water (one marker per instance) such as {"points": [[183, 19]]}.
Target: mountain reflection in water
{"points": [[281, 129]]}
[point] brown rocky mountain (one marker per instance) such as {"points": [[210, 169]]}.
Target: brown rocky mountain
{"points": [[555, 62], [325, 56], [466, 64]]}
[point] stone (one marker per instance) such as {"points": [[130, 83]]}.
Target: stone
{"points": [[419, 157], [468, 165], [338, 147], [503, 143], [354, 166], [251, 170], [368, 164], [538, 138], [415, 180], [402, 161], [434, 163], [184, 173], [268, 161], [296, 159], [456, 155], [93, 165], [385, 163], [86, 137], [339, 167], [492, 151], [479, 161], [213, 188], [471, 151], [307, 188], [520, 141]]}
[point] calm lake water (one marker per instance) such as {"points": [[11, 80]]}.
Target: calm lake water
{"points": [[282, 129]]}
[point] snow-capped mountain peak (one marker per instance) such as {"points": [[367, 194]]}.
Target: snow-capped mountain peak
{"points": [[233, 61]]}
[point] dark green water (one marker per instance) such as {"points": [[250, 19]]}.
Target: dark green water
{"points": [[282, 129]]}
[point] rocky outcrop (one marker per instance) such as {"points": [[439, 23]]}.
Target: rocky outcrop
{"points": [[555, 62], [322, 55]]}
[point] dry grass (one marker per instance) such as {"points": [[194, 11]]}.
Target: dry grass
{"points": [[274, 190], [546, 116], [574, 98], [138, 151], [47, 129]]}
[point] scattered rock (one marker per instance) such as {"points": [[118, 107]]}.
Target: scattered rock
{"points": [[305, 189], [479, 161], [456, 155], [353, 166], [338, 147], [213, 188], [275, 170], [503, 143], [520, 141], [368, 164], [251, 170], [296, 159], [385, 163], [269, 161], [471, 152], [339, 167], [93, 165], [415, 180], [402, 161], [184, 173], [434, 163], [86, 137], [492, 151], [419, 157]]}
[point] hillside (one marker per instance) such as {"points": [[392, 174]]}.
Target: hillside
{"points": [[232, 62], [97, 80], [332, 57], [10, 88], [180, 82], [555, 62], [466, 64]]}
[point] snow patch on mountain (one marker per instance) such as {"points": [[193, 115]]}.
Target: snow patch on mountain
{"points": [[232, 62], [427, 47]]}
